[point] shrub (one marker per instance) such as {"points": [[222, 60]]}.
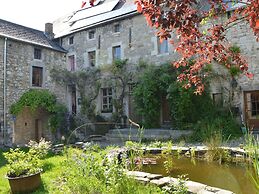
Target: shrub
{"points": [[21, 163]]}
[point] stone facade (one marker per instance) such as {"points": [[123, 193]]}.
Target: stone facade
{"points": [[20, 59], [137, 42], [102, 34], [132, 30]]}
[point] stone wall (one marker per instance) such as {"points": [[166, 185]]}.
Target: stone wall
{"points": [[137, 40], [31, 125], [20, 59]]}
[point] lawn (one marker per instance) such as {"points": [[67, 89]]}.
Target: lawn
{"points": [[52, 169], [82, 172]]}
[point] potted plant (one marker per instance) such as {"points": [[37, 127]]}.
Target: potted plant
{"points": [[24, 168]]}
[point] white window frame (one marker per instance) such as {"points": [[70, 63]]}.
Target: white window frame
{"points": [[113, 53], [41, 54], [108, 98]]}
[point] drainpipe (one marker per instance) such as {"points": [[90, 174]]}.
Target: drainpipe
{"points": [[4, 92]]}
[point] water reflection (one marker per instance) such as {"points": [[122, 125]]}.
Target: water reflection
{"points": [[233, 177]]}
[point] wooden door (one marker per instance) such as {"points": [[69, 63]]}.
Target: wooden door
{"points": [[251, 102], [166, 118]]}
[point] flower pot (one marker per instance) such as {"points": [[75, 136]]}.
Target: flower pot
{"points": [[25, 184]]}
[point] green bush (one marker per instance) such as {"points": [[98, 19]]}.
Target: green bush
{"points": [[222, 122], [21, 163]]}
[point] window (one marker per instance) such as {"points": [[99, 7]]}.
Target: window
{"points": [[116, 52], [255, 104], [117, 28], [107, 100], [91, 34], [162, 46], [37, 53], [71, 61], [71, 40], [37, 76], [91, 58]]}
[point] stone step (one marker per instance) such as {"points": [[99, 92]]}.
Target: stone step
{"points": [[152, 134]]}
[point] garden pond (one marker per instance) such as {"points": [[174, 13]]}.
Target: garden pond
{"points": [[232, 176]]}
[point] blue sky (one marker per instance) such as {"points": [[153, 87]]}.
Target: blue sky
{"points": [[35, 13]]}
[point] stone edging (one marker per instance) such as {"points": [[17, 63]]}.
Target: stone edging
{"points": [[160, 181]]}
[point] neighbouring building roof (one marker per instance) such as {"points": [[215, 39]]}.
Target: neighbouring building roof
{"points": [[102, 12], [28, 35]]}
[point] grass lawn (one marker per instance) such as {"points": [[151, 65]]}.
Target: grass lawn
{"points": [[79, 175], [52, 169]]}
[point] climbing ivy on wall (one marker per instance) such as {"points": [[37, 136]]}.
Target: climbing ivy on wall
{"points": [[157, 81], [35, 99]]}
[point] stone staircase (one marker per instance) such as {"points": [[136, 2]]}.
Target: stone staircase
{"points": [[133, 134]]}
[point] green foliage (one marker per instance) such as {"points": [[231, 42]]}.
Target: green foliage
{"points": [[234, 71], [152, 84], [36, 99], [177, 188], [216, 122], [81, 80], [215, 151], [252, 147], [92, 172], [235, 49], [186, 107], [21, 163]]}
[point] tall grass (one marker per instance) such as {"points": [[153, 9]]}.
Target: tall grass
{"points": [[252, 147]]}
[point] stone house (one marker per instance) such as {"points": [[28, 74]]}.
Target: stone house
{"points": [[27, 55], [95, 36]]}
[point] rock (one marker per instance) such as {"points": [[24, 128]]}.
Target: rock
{"points": [[154, 176], [195, 187], [217, 190], [141, 179], [138, 174], [163, 181]]}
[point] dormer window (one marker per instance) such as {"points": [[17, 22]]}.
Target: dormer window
{"points": [[71, 40], [91, 34], [37, 53]]}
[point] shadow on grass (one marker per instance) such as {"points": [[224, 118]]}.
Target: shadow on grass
{"points": [[47, 166], [41, 190]]}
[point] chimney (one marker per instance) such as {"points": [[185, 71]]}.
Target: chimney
{"points": [[49, 30]]}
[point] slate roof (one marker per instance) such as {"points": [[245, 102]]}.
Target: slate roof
{"points": [[28, 35], [105, 11]]}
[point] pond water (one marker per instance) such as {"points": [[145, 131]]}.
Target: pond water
{"points": [[233, 177]]}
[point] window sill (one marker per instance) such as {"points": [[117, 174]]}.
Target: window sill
{"points": [[163, 54], [116, 33], [37, 87]]}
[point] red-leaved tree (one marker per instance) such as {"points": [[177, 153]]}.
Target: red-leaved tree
{"points": [[186, 21]]}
